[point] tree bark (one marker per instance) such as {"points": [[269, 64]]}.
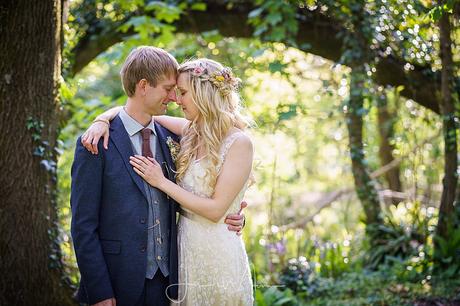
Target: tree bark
{"points": [[446, 208], [32, 273], [386, 120], [364, 184], [231, 21], [356, 59]]}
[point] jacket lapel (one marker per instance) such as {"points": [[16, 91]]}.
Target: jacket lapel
{"points": [[170, 166], [120, 139], [170, 169]]}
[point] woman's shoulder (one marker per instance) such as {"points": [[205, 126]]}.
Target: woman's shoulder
{"points": [[239, 134], [237, 139]]}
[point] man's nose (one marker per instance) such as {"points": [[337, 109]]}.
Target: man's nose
{"points": [[172, 96]]}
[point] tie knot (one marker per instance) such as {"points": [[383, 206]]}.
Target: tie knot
{"points": [[146, 133]]}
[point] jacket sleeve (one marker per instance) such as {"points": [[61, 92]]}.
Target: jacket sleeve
{"points": [[85, 202]]}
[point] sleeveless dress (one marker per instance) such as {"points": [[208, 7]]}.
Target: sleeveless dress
{"points": [[213, 264]]}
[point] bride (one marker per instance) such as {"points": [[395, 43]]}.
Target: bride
{"points": [[213, 171]]}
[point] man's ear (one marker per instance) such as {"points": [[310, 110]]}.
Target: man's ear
{"points": [[141, 86]]}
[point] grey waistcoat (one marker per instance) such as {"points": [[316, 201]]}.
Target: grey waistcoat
{"points": [[158, 221], [158, 226]]}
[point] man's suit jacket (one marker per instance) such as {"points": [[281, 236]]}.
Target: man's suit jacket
{"points": [[109, 220]]}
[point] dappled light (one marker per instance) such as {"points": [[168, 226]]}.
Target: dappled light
{"points": [[354, 191]]}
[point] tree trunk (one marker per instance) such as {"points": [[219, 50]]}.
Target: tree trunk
{"points": [[30, 264], [364, 184], [357, 59], [446, 208], [386, 121]]}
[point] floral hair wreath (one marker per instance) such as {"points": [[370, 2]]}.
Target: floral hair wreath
{"points": [[224, 80]]}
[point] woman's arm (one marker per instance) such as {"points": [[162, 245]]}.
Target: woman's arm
{"points": [[235, 172], [174, 124], [99, 128], [110, 113]]}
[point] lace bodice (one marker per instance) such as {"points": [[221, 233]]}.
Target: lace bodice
{"points": [[213, 264], [196, 181]]}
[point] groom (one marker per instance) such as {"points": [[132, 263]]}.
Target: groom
{"points": [[124, 230]]}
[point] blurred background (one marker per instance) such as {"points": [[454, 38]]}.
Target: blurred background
{"points": [[356, 110]]}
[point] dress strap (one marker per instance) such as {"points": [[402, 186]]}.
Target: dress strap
{"points": [[227, 143]]}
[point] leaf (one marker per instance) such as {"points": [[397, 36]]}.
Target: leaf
{"points": [[199, 6], [278, 34], [276, 66], [259, 298], [259, 30], [274, 18], [283, 301], [436, 13], [65, 91], [255, 13], [163, 11], [154, 5]]}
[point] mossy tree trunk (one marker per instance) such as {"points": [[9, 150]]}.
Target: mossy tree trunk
{"points": [[446, 209], [30, 68]]}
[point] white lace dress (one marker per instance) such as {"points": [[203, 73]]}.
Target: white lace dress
{"points": [[213, 264]]}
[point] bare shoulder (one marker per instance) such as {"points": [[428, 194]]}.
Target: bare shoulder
{"points": [[242, 144]]}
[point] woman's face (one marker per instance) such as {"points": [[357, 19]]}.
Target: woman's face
{"points": [[184, 97]]}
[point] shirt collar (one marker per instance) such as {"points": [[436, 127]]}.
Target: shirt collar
{"points": [[132, 126]]}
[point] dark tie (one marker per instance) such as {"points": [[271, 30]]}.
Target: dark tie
{"points": [[146, 150]]}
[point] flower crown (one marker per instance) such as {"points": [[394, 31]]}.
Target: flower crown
{"points": [[224, 80]]}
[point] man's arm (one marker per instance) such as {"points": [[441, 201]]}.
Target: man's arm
{"points": [[85, 201]]}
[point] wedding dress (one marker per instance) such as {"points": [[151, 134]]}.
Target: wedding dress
{"points": [[213, 264]]}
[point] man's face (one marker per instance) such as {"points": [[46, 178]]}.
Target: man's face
{"points": [[156, 98]]}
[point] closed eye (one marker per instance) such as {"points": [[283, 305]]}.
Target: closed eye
{"points": [[180, 92]]}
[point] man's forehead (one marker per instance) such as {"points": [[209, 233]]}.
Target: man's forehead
{"points": [[168, 81]]}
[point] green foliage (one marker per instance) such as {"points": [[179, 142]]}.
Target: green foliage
{"points": [[164, 11], [298, 102], [448, 254], [275, 21], [403, 235], [436, 12], [273, 296]]}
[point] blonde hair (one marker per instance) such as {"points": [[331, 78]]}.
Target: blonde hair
{"points": [[218, 112], [146, 62]]}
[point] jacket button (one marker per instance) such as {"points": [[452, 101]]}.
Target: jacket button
{"points": [[142, 249], [142, 220]]}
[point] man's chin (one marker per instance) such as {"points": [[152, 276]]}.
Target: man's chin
{"points": [[159, 112]]}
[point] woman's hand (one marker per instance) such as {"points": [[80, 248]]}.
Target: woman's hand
{"points": [[149, 169], [91, 137]]}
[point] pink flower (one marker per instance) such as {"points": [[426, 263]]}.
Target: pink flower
{"points": [[198, 70], [226, 73]]}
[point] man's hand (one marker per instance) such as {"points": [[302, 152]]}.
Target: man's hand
{"points": [[108, 302], [236, 221]]}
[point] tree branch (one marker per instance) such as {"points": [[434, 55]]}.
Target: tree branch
{"points": [[317, 35]]}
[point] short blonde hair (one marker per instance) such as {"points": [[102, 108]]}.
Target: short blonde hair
{"points": [[146, 62]]}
